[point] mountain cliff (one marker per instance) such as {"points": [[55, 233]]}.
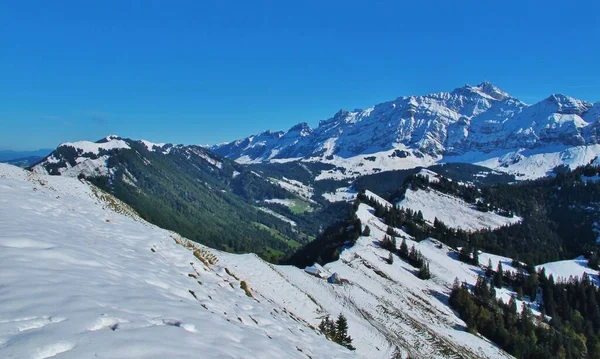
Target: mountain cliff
{"points": [[476, 124]]}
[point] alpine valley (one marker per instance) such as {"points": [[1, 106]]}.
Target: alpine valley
{"points": [[461, 224]]}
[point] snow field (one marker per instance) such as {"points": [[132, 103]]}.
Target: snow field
{"points": [[452, 211], [79, 280]]}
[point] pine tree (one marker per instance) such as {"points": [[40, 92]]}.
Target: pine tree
{"points": [[366, 232], [388, 243], [337, 331], [455, 284], [403, 249], [327, 327], [390, 259], [498, 276], [390, 231], [489, 270], [424, 271], [341, 332], [475, 259]]}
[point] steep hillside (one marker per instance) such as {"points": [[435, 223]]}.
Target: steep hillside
{"points": [[86, 277], [189, 189], [548, 219], [474, 124], [452, 211]]}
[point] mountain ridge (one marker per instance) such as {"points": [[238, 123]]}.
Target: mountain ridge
{"points": [[429, 128], [182, 188]]}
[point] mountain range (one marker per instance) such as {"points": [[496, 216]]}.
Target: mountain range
{"points": [[23, 158], [475, 124], [339, 206]]}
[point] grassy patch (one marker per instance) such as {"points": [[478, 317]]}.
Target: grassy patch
{"points": [[275, 233], [299, 206]]}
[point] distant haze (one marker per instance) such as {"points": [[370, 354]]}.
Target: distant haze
{"points": [[7, 155]]}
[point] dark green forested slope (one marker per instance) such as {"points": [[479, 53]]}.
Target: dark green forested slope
{"points": [[207, 198]]}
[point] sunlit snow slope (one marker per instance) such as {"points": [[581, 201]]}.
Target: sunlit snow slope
{"points": [[82, 276], [389, 309], [453, 211], [79, 280]]}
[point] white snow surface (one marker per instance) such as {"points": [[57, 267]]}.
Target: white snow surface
{"points": [[430, 175], [277, 215], [452, 211], [390, 312], [283, 201], [79, 280], [151, 146], [563, 270], [528, 164], [345, 194], [296, 187], [93, 147]]}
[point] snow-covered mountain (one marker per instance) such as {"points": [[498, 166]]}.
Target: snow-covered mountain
{"points": [[203, 196], [475, 124], [84, 276], [91, 158]]}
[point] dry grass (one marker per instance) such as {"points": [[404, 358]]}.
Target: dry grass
{"points": [[201, 253], [244, 286], [231, 274]]}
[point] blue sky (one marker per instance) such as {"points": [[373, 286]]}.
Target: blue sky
{"points": [[203, 72]]}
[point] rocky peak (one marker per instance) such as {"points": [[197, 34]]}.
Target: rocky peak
{"points": [[568, 105]]}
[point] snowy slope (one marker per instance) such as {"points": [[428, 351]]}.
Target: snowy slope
{"points": [[452, 211], [389, 309], [575, 268], [476, 124], [528, 164], [86, 281], [79, 280]]}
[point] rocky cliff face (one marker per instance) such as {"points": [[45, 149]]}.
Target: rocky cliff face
{"points": [[479, 118]]}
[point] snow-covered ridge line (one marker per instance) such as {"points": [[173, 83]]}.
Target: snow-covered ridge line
{"points": [[152, 146], [480, 122], [94, 147]]}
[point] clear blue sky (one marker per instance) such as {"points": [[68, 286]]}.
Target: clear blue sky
{"points": [[199, 72]]}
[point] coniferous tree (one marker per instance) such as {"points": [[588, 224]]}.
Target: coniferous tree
{"points": [[403, 249], [475, 259], [498, 276], [337, 331], [341, 332], [424, 272], [366, 232], [390, 232], [489, 270]]}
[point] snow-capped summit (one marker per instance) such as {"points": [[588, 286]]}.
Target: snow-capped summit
{"points": [[109, 138], [475, 124], [491, 90]]}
